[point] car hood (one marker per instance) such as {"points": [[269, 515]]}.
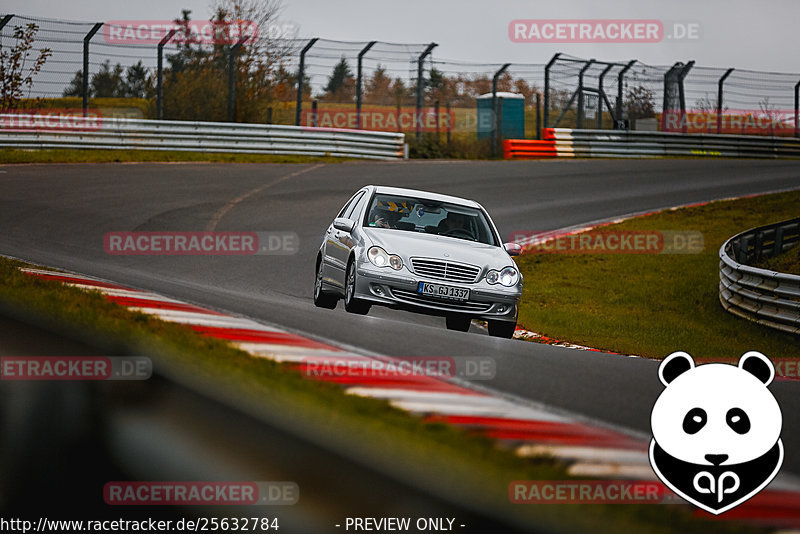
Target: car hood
{"points": [[408, 244]]}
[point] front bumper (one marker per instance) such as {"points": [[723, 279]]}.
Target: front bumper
{"points": [[399, 290]]}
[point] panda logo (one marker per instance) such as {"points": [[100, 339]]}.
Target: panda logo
{"points": [[716, 430]]}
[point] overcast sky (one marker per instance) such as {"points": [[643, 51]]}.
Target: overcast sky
{"points": [[745, 34]]}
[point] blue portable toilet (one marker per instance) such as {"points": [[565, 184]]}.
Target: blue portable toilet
{"points": [[513, 115]]}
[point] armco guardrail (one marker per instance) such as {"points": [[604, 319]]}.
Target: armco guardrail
{"points": [[565, 142], [40, 132], [766, 297]]}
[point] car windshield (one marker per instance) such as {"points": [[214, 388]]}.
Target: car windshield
{"points": [[410, 214]]}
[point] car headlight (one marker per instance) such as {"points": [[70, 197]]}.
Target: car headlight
{"points": [[506, 277], [380, 258]]}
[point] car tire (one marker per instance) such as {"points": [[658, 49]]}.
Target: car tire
{"points": [[351, 303], [502, 328], [322, 299], [458, 322]]}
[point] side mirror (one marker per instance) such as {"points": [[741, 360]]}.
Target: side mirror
{"points": [[345, 225], [513, 249]]}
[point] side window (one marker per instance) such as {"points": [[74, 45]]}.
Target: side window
{"points": [[354, 206], [347, 205]]}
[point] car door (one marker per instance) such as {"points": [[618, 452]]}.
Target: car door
{"points": [[339, 243]]}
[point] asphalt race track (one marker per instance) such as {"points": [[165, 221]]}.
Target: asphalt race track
{"points": [[57, 215]]}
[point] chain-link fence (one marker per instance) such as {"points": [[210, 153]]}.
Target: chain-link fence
{"points": [[226, 71], [683, 97]]}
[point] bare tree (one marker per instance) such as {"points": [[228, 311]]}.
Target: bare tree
{"points": [[15, 71], [770, 111], [640, 102], [270, 44]]}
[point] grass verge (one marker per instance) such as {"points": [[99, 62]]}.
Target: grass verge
{"points": [[469, 468], [654, 304], [126, 156], [788, 262]]}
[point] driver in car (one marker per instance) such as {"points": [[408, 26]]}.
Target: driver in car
{"points": [[386, 219], [453, 221]]}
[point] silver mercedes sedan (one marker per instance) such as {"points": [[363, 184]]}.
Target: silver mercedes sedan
{"points": [[422, 252]]}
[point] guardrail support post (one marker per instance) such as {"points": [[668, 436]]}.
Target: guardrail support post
{"points": [[601, 96], [300, 81], [547, 89], [495, 118], [796, 108], [160, 75], [420, 87], [579, 123], [232, 79], [359, 82], [620, 88], [85, 88], [719, 98]]}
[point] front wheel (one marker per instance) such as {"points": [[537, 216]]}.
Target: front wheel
{"points": [[459, 323], [502, 328], [351, 303], [321, 298]]}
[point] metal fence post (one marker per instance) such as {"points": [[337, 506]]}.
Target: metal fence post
{"points": [[358, 82], [500, 121], [438, 129], [601, 96], [232, 79], [586, 67], [85, 88], [449, 126], [314, 113], [420, 84], [300, 74], [668, 94], [160, 75], [620, 84], [719, 99], [796, 109], [495, 118], [5, 21], [538, 116], [682, 76], [547, 88]]}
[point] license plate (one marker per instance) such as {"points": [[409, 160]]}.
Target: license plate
{"points": [[445, 292]]}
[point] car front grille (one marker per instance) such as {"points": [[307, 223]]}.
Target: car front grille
{"points": [[445, 270], [460, 305]]}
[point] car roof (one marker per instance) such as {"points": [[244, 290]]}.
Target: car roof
{"points": [[425, 194]]}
